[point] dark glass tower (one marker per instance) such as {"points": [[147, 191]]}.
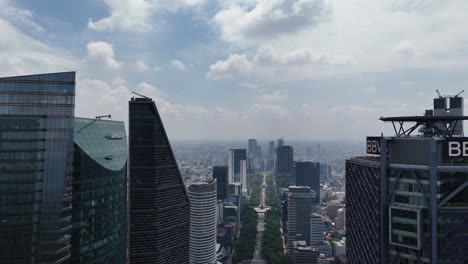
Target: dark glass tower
{"points": [[235, 158], [220, 173], [299, 209], [159, 204], [308, 174], [36, 161], [99, 192], [362, 210], [284, 167]]}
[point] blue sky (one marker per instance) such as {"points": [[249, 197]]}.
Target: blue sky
{"points": [[235, 69]]}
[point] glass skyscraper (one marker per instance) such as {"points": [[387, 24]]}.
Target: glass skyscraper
{"points": [[235, 157], [159, 204], [362, 210], [407, 201], [308, 174], [36, 161], [299, 209], [99, 192], [284, 167], [220, 173]]}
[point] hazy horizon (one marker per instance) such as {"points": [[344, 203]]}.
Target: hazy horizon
{"points": [[299, 69]]}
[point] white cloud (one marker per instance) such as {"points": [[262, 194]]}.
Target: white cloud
{"points": [[102, 54], [21, 54], [269, 62], [266, 19], [406, 49], [375, 35], [273, 98], [110, 97], [137, 15], [227, 69], [141, 66], [19, 16], [178, 65]]}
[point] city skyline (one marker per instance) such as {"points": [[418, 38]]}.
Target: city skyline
{"points": [[205, 72]]}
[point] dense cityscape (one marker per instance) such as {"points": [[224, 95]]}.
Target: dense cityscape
{"points": [[79, 190], [233, 132]]}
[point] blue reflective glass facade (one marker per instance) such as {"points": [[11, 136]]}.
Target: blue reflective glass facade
{"points": [[99, 192], [36, 159]]}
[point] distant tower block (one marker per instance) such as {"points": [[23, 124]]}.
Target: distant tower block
{"points": [[447, 105]]}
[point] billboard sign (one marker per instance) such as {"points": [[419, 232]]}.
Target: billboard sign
{"points": [[373, 145], [456, 147]]}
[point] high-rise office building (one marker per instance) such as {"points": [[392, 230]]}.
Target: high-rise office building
{"points": [[203, 222], [308, 174], [422, 194], [325, 171], [280, 142], [363, 210], [305, 254], [284, 167], [36, 164], [253, 148], [235, 157], [271, 155], [220, 173], [299, 209], [99, 216], [159, 204], [317, 228]]}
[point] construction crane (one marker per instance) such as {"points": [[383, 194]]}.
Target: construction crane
{"points": [[140, 95], [440, 96], [459, 93], [106, 116]]}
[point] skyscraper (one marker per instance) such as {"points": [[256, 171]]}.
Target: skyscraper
{"points": [[363, 210], [253, 148], [299, 209], [203, 222], [421, 192], [99, 216], [317, 228], [220, 173], [36, 163], [280, 142], [284, 167], [271, 155], [235, 157], [308, 174], [159, 204]]}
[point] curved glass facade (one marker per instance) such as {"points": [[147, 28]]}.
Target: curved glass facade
{"points": [[203, 220], [36, 156], [99, 192]]}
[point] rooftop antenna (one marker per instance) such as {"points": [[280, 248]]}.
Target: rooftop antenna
{"points": [[103, 116], [141, 95], [459, 93], [440, 96]]}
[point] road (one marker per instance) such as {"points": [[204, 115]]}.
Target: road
{"points": [[260, 226]]}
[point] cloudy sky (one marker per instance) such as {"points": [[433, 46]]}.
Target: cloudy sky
{"points": [[234, 69]]}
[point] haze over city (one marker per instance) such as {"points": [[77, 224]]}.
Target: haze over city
{"points": [[303, 69]]}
